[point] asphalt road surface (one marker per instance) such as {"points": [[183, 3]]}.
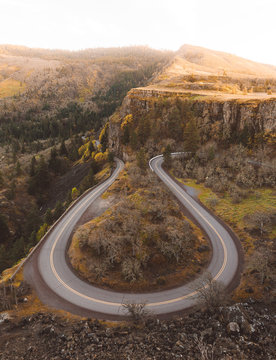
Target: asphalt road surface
{"points": [[59, 287]]}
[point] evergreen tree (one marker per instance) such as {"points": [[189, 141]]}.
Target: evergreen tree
{"points": [[104, 137], [40, 182], [1, 179], [133, 140], [141, 159], [125, 137], [175, 126], [18, 249], [167, 157], [58, 210], [33, 166], [48, 217], [191, 136], [12, 189], [87, 181], [143, 130], [4, 230], [54, 161], [63, 150], [18, 170], [111, 157]]}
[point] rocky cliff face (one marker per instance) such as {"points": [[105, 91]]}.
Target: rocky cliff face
{"points": [[226, 120]]}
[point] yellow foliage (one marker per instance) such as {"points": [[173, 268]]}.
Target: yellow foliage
{"points": [[82, 149], [87, 153], [42, 231], [11, 87], [75, 193], [103, 132], [101, 156], [128, 119]]}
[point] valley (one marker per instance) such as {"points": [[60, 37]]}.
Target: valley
{"points": [[70, 121]]}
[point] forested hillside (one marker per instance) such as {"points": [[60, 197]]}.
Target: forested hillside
{"points": [[53, 105]]}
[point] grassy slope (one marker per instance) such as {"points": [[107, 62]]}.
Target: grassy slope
{"points": [[233, 214]]}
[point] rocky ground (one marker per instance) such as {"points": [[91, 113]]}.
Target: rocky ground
{"points": [[241, 331]]}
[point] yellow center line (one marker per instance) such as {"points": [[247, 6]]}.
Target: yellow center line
{"points": [[148, 304]]}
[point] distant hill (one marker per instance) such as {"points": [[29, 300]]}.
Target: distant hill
{"points": [[39, 86], [200, 60], [197, 68]]}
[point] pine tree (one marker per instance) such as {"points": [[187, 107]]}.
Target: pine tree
{"points": [[191, 136], [33, 166], [18, 170], [141, 159], [1, 179], [167, 157], [63, 150], [58, 210], [4, 230], [48, 217]]}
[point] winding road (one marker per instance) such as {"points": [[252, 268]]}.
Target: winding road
{"points": [[57, 285]]}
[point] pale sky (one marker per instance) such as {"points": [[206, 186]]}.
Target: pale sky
{"points": [[245, 28]]}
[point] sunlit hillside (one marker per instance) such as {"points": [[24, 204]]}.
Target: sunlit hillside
{"points": [[197, 68]]}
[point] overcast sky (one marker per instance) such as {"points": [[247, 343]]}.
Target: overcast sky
{"points": [[245, 28]]}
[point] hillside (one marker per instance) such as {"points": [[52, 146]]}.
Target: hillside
{"points": [[57, 139], [197, 68], [37, 86]]}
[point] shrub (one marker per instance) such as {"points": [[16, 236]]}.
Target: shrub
{"points": [[137, 311], [131, 269], [212, 201], [211, 292]]}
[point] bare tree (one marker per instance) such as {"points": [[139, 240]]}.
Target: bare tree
{"points": [[136, 311], [260, 262], [211, 292], [259, 220]]}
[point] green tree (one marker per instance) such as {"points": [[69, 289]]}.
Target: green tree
{"points": [[4, 229], [42, 231], [111, 157], [75, 193], [191, 136], [58, 210], [53, 161], [175, 125], [141, 159], [167, 157], [1, 179], [18, 170], [133, 140], [12, 190], [87, 181], [126, 135], [48, 217], [143, 130], [103, 138], [63, 150], [33, 166], [18, 249], [40, 182]]}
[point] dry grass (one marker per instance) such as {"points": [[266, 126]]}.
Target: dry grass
{"points": [[11, 87], [263, 199]]}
